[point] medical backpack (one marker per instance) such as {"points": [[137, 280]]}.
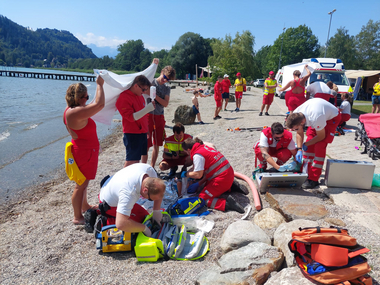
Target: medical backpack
{"points": [[330, 256]]}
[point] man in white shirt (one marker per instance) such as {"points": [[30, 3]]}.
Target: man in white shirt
{"points": [[121, 192], [322, 118], [319, 89]]}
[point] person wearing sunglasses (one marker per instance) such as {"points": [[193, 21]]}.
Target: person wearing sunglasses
{"points": [[121, 191], [85, 143], [133, 109], [275, 142], [156, 118]]}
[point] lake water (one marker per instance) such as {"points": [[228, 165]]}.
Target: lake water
{"points": [[32, 133]]}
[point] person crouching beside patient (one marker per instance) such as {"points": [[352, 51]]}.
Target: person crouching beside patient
{"points": [[214, 171], [174, 155], [275, 142]]}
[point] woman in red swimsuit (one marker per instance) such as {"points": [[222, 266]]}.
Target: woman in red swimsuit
{"points": [[85, 149], [296, 96]]}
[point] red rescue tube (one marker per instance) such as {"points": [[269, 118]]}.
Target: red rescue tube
{"points": [[256, 196]]}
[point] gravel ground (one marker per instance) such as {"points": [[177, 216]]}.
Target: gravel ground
{"points": [[40, 245]]}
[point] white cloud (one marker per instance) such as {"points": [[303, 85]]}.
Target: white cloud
{"points": [[152, 48], [100, 41]]}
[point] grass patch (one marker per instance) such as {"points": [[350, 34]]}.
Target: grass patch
{"points": [[361, 109], [362, 101]]}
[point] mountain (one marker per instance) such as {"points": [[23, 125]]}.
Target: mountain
{"points": [[103, 51], [43, 47]]}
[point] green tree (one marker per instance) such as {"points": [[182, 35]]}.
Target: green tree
{"points": [[342, 46], [261, 58], [368, 46], [298, 43], [189, 50], [234, 55], [128, 57]]}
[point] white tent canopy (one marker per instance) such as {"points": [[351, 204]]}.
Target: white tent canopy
{"points": [[361, 73]]}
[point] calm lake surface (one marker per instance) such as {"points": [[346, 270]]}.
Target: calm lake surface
{"points": [[32, 133]]}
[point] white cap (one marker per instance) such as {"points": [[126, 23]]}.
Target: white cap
{"points": [[225, 75]]}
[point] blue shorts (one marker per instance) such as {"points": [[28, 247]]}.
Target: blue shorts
{"points": [[136, 145], [225, 95], [375, 99], [195, 110]]}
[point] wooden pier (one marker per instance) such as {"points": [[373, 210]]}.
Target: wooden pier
{"points": [[44, 75]]}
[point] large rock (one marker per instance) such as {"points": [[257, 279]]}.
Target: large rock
{"points": [[232, 98], [289, 276], [283, 235], [296, 204], [241, 233], [184, 114], [268, 218], [250, 264]]}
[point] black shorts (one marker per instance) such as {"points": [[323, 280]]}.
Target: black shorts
{"points": [[226, 95], [136, 145]]}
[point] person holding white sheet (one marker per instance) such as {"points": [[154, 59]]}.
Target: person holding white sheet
{"points": [[132, 107]]}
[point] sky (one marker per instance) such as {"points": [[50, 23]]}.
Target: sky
{"points": [[159, 24]]}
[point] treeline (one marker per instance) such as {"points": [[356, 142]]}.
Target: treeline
{"points": [[20, 46], [227, 55]]}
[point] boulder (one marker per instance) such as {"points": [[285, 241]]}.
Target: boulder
{"points": [[289, 276], [184, 114], [250, 264], [268, 218], [232, 98], [241, 233], [283, 235]]}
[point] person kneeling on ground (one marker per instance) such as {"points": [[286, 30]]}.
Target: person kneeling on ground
{"points": [[275, 142], [174, 155], [215, 172], [120, 193]]}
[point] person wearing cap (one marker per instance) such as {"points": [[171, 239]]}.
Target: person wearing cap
{"points": [[240, 84], [270, 85], [226, 84]]}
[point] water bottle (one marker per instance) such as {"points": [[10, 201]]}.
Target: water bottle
{"points": [[376, 180], [152, 92]]}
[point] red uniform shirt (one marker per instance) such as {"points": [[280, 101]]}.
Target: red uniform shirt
{"points": [[127, 104]]}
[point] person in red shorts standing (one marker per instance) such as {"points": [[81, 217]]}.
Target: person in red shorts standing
{"points": [[156, 119], [215, 173], [240, 84], [270, 85], [85, 149], [226, 83], [218, 90], [296, 96], [174, 155]]}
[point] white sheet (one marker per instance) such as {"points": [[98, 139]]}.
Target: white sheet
{"points": [[114, 84]]}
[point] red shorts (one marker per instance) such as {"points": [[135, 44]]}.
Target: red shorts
{"points": [[238, 95], [87, 161], [292, 100], [344, 118], [268, 99], [175, 162], [138, 214], [156, 130], [323, 96], [218, 102]]}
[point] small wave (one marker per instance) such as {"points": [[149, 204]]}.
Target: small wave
{"points": [[32, 127], [4, 135]]}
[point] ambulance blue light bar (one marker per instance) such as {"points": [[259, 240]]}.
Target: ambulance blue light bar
{"points": [[314, 60]]}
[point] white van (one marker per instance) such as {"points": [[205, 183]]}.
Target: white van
{"points": [[325, 69]]}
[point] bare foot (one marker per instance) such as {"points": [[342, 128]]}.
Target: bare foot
{"points": [[78, 221]]}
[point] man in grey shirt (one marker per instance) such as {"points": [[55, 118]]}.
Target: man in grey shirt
{"points": [[156, 119]]}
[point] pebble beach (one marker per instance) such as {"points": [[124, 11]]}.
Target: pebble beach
{"points": [[40, 245]]}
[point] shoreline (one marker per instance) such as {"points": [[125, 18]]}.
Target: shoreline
{"points": [[33, 193]]}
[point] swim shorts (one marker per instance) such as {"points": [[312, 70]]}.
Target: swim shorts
{"points": [[136, 145], [156, 130]]}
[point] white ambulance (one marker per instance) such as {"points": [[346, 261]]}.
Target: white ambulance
{"points": [[325, 70]]}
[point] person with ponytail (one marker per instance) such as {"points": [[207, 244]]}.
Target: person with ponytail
{"points": [[214, 171], [85, 143]]}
